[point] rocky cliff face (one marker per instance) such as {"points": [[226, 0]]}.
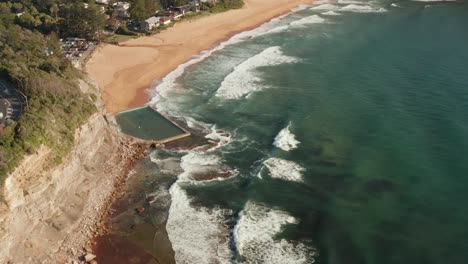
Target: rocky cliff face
{"points": [[49, 212]]}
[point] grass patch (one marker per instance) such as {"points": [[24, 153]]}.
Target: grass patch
{"points": [[117, 38]]}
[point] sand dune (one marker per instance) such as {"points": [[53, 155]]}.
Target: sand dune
{"points": [[124, 72]]}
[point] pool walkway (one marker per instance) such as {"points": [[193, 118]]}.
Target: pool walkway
{"points": [[148, 126]]}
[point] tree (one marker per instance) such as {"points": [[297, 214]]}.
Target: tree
{"points": [[139, 11], [79, 21]]}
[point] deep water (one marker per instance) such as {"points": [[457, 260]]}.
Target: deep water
{"points": [[373, 167]]}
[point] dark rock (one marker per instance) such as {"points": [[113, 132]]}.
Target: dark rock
{"points": [[140, 210]]}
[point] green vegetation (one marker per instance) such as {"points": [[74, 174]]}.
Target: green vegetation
{"points": [[223, 5], [65, 18], [56, 105], [117, 38], [80, 21]]}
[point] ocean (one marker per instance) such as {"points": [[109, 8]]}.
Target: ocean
{"points": [[341, 136]]}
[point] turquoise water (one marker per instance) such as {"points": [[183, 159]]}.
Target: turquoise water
{"points": [[372, 164], [145, 123]]}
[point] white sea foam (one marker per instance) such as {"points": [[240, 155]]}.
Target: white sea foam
{"points": [[331, 13], [314, 19], [278, 29], [346, 2], [243, 79], [198, 235], [394, 5], [220, 137], [321, 2], [161, 88], [435, 0], [170, 81], [326, 7], [255, 235], [286, 140], [300, 8], [198, 163], [362, 9], [284, 169], [168, 165]]}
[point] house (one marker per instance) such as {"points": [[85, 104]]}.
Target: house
{"points": [[165, 21], [122, 5], [183, 9], [121, 9], [177, 16], [149, 23], [194, 6]]}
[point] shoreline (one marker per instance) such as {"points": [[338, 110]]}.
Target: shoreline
{"points": [[125, 72]]}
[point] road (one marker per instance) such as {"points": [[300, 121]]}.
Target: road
{"points": [[11, 100]]}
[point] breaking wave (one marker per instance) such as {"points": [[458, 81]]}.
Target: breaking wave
{"points": [[284, 169], [331, 13], [161, 87], [286, 140], [255, 234], [198, 235], [326, 7], [350, 2], [352, 6], [362, 9], [435, 0], [243, 80], [308, 20]]}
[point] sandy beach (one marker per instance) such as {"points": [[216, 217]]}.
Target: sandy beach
{"points": [[124, 72]]}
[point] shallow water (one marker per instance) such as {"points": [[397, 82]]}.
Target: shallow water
{"points": [[349, 140]]}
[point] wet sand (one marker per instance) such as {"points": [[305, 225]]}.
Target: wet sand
{"points": [[124, 72]]}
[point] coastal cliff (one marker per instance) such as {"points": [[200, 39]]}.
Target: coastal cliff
{"points": [[49, 212]]}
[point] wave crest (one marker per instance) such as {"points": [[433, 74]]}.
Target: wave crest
{"points": [[314, 19], [196, 234], [286, 140], [243, 80], [284, 169], [255, 237]]}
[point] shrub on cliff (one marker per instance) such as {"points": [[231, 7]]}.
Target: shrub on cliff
{"points": [[56, 106]]}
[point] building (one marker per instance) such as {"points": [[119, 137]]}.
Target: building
{"points": [[102, 2], [122, 5], [177, 16], [165, 21], [194, 6], [149, 23], [121, 9], [183, 9]]}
